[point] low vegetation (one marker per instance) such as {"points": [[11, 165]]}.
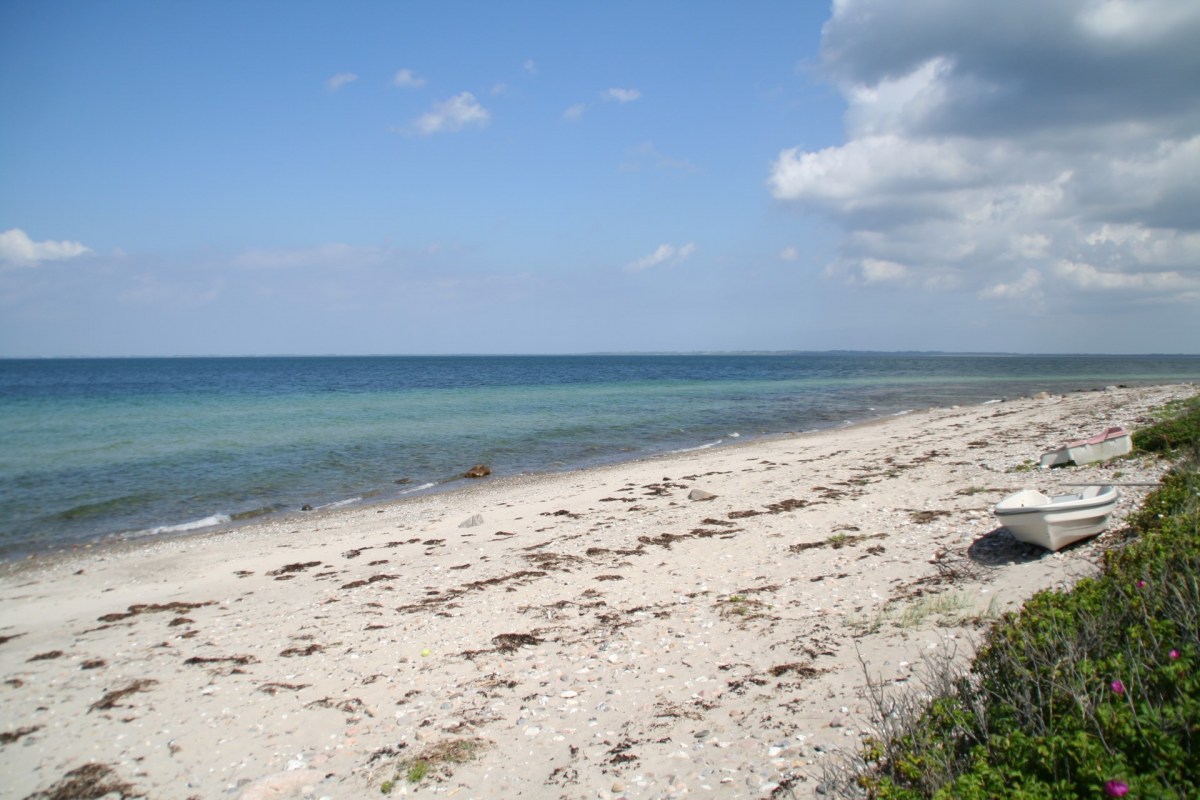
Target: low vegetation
{"points": [[1175, 431], [434, 762], [1089, 693], [953, 610]]}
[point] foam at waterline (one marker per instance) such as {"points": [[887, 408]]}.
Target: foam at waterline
{"points": [[420, 488], [195, 525], [704, 446], [340, 503]]}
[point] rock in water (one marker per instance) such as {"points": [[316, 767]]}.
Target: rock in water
{"points": [[478, 471]]}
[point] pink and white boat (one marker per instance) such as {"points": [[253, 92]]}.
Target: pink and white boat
{"points": [[1111, 443]]}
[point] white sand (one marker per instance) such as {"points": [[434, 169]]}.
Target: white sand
{"points": [[599, 634]]}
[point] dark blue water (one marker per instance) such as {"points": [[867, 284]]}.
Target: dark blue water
{"points": [[96, 448]]}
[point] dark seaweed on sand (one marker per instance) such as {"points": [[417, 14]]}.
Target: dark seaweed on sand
{"points": [[90, 782], [110, 700]]}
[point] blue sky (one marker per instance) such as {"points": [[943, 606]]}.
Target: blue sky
{"points": [[269, 177]]}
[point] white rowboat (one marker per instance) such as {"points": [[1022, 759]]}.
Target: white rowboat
{"points": [[1055, 522]]}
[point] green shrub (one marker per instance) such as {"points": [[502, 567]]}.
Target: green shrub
{"points": [[1177, 428]]}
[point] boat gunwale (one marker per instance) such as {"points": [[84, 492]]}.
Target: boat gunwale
{"points": [[1108, 495]]}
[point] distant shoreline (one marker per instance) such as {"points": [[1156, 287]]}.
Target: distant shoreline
{"points": [[634, 353]]}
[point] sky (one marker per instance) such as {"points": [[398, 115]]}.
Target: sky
{"points": [[259, 177]]}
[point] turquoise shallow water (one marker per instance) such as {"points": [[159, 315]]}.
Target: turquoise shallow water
{"points": [[98, 448]]}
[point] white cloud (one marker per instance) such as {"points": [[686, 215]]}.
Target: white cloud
{"points": [[789, 253], [407, 79], [1026, 287], [574, 112], [1122, 20], [870, 171], [620, 95], [17, 249], [1017, 149], [529, 66], [663, 254], [453, 114], [340, 80], [875, 270], [1087, 276]]}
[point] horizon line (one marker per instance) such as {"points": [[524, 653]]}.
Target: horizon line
{"points": [[597, 353]]}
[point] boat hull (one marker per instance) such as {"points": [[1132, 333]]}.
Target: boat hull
{"points": [[1055, 522]]}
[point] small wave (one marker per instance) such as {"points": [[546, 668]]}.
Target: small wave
{"points": [[902, 413], [734, 435], [990, 402], [420, 488], [699, 447], [194, 525], [340, 503], [254, 512]]}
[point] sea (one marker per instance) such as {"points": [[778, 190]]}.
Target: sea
{"points": [[96, 450]]}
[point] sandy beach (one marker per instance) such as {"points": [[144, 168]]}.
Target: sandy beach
{"points": [[691, 625]]}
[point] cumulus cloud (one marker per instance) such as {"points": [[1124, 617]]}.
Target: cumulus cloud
{"points": [[663, 254], [1018, 149], [620, 95], [1028, 285], [17, 249], [453, 114], [530, 67], [574, 112], [407, 79], [789, 253], [340, 80]]}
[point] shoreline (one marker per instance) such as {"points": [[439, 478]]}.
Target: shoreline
{"points": [[239, 521], [599, 632]]}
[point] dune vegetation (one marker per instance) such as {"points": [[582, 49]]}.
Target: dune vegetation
{"points": [[1091, 692]]}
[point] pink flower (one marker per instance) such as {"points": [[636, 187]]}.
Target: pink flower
{"points": [[1116, 788], [1118, 688], [1174, 654], [1141, 584]]}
